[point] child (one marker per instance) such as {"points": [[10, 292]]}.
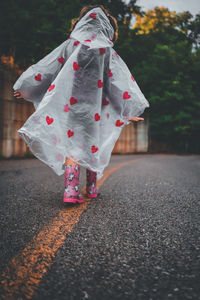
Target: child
{"points": [[84, 94]]}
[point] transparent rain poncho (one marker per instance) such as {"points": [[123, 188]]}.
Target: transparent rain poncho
{"points": [[83, 94]]}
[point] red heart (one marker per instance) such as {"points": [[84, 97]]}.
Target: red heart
{"points": [[111, 41], [119, 123], [105, 101], [126, 95], [94, 149], [61, 59], [93, 36], [110, 73], [70, 133], [66, 108], [59, 156], [76, 43], [102, 50], [93, 15], [52, 86], [107, 115], [97, 117], [87, 41], [75, 66], [38, 77], [73, 100], [132, 78], [49, 120], [100, 83]]}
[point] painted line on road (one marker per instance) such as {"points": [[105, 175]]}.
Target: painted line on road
{"points": [[24, 272]]}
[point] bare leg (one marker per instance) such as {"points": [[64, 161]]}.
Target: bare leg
{"points": [[68, 161]]}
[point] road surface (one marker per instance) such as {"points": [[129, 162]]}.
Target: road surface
{"points": [[139, 240]]}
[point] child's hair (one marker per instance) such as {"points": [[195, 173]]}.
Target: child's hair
{"points": [[112, 19]]}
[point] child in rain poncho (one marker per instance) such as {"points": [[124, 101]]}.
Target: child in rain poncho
{"points": [[84, 94]]}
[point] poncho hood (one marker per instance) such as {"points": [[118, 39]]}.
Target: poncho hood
{"points": [[94, 29]]}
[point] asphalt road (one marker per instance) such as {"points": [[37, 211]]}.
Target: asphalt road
{"points": [[139, 240]]}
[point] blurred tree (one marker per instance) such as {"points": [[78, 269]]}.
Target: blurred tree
{"points": [[31, 29], [168, 73], [159, 51], [160, 18], [194, 28]]}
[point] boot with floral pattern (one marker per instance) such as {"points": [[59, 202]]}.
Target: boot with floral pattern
{"points": [[91, 188], [71, 192]]}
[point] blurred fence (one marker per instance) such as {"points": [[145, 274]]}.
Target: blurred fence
{"points": [[13, 115]]}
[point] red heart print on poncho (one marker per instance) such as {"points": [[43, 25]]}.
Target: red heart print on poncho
{"points": [[102, 50], [105, 101], [76, 43], [66, 108], [100, 83], [107, 115], [94, 149], [126, 95], [38, 77], [119, 123], [70, 133], [73, 100], [132, 78], [55, 139], [61, 59], [110, 73], [87, 41], [93, 36], [75, 66], [93, 15], [59, 156], [97, 117], [49, 120], [52, 86]]}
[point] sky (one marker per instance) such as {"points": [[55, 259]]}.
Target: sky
{"points": [[193, 6]]}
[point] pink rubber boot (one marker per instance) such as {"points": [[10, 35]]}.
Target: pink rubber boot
{"points": [[91, 188], [71, 192]]}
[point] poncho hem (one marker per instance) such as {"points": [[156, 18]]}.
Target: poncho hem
{"points": [[26, 135]]}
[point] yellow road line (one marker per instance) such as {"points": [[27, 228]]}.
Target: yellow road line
{"points": [[24, 272]]}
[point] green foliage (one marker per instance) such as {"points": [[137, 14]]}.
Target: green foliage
{"points": [[31, 29], [165, 63], [167, 70]]}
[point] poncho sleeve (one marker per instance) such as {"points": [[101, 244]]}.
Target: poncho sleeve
{"points": [[34, 82], [124, 90]]}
